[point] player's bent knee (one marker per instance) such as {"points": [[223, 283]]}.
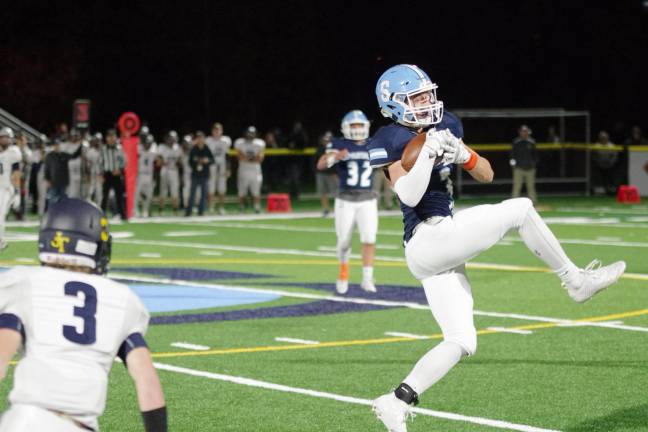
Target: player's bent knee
{"points": [[523, 203], [466, 340]]}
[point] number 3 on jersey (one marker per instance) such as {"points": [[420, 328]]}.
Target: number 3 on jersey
{"points": [[355, 177], [86, 312]]}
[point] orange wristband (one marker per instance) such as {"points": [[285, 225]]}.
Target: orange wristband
{"points": [[472, 161]]}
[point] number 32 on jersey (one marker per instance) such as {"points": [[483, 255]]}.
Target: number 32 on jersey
{"points": [[358, 173]]}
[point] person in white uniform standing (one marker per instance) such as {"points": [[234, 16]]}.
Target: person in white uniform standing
{"points": [[219, 145], [10, 158], [170, 156], [73, 322], [146, 166], [250, 150]]}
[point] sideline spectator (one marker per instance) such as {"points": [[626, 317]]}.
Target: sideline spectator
{"points": [[94, 192], [272, 167], [250, 150], [219, 145], [74, 165], [297, 140], [56, 172], [146, 165], [325, 180], [636, 137], [25, 167], [605, 161], [523, 161], [200, 159], [36, 180], [170, 157], [113, 162]]}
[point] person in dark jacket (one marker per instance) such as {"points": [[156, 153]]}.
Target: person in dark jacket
{"points": [[57, 173], [523, 161], [200, 158]]}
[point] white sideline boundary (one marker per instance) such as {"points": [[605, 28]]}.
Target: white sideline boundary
{"points": [[297, 341], [190, 346], [411, 305], [405, 335], [500, 424]]}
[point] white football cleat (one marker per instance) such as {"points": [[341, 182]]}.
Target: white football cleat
{"points": [[368, 286], [341, 286], [392, 411], [595, 279], [3, 244]]}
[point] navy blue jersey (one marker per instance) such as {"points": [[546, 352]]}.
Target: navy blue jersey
{"points": [[355, 171], [387, 146]]}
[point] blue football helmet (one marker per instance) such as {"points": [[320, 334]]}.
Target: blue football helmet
{"points": [[74, 233], [355, 117], [396, 90]]}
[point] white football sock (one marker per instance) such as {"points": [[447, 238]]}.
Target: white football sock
{"points": [[433, 366], [367, 273], [543, 243]]}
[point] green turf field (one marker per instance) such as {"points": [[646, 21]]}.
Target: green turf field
{"points": [[544, 363]]}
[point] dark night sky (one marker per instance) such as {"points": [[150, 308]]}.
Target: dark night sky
{"points": [[185, 64]]}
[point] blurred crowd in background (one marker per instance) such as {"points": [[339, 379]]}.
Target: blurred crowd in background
{"points": [[198, 170]]}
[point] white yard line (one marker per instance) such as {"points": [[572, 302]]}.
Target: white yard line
{"points": [[189, 233], [357, 300], [249, 249], [406, 335], [190, 346], [211, 253], [509, 330], [297, 341], [150, 255], [25, 260], [347, 399]]}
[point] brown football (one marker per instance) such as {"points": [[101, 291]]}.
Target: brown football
{"points": [[412, 150]]}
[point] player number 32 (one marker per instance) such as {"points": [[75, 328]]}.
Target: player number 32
{"points": [[359, 175]]}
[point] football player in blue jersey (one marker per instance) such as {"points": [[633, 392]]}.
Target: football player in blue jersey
{"points": [[356, 203], [438, 242]]}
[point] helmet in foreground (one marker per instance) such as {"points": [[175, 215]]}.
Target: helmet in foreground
{"points": [[407, 96], [74, 233]]}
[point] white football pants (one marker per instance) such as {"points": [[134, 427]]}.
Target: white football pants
{"points": [[144, 195], [169, 183], [364, 214], [28, 418], [436, 255], [218, 178], [6, 194]]}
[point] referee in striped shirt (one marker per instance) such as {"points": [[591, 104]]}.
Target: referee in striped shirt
{"points": [[113, 162]]}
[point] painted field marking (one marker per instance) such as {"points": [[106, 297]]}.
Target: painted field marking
{"points": [[190, 346], [406, 335], [380, 260], [25, 260], [375, 302], [296, 341], [150, 255], [379, 341], [609, 239], [500, 424], [508, 330], [189, 233], [211, 253]]}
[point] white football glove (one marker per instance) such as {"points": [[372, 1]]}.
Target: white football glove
{"points": [[434, 143], [454, 151]]}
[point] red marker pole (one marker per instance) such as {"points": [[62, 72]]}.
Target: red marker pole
{"points": [[129, 124]]}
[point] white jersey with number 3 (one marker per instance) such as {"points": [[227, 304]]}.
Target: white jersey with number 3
{"points": [[74, 324]]}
